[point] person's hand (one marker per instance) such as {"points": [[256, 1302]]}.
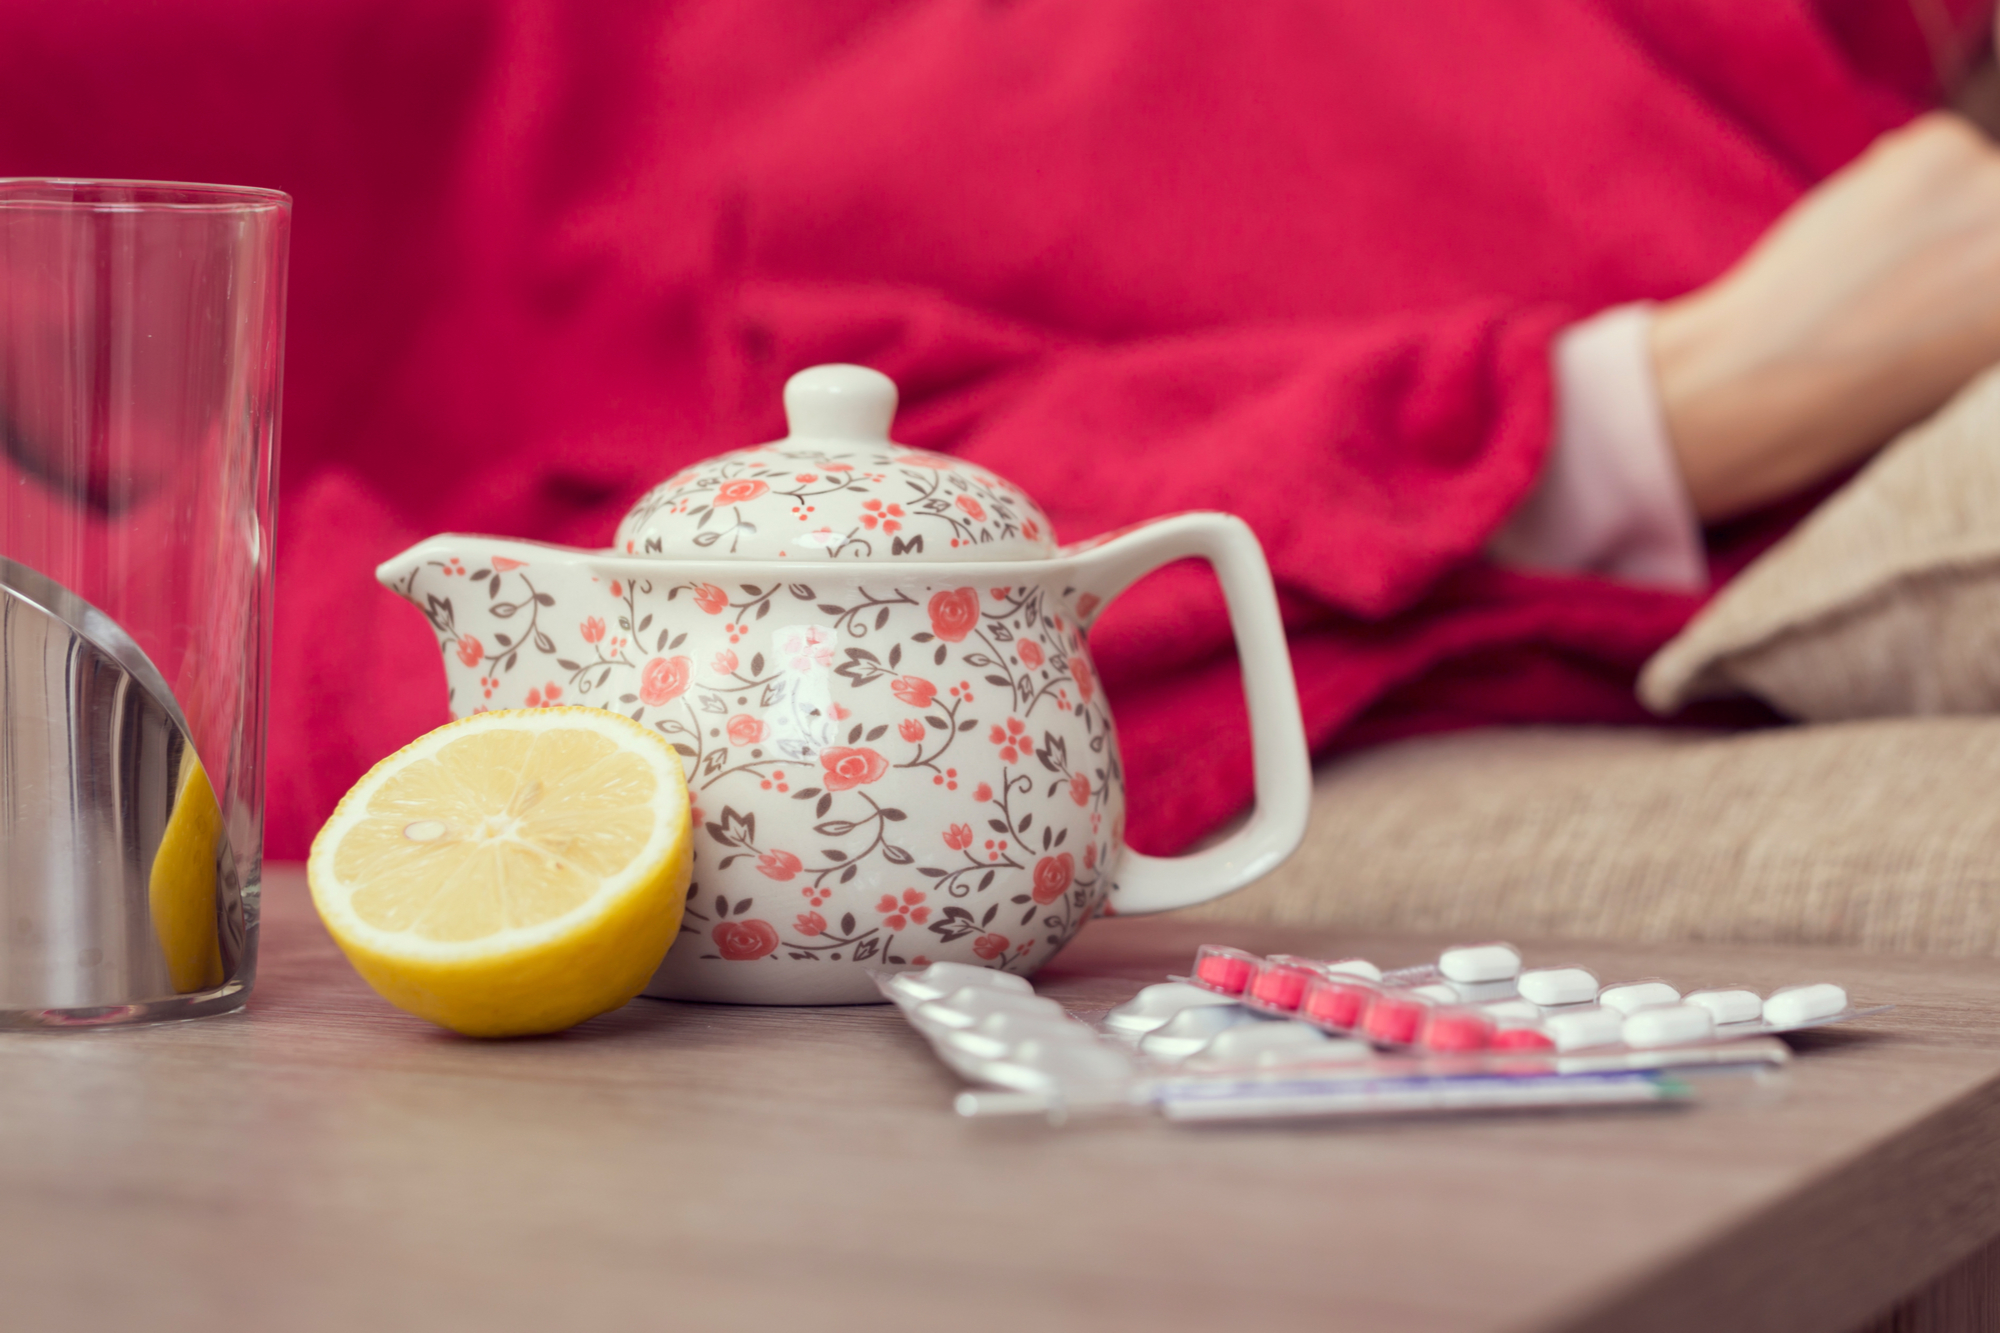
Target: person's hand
{"points": [[1867, 306]]}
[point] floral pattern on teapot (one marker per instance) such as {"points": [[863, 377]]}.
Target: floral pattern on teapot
{"points": [[829, 500], [880, 776]]}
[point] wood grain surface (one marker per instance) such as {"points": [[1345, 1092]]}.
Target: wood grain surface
{"points": [[322, 1161]]}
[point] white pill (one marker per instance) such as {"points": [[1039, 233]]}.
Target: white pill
{"points": [[1480, 962], [1804, 1004], [1251, 1039], [1354, 967], [1634, 996], [1191, 1029], [1483, 992], [1437, 992], [1579, 1029], [1152, 1007], [1729, 1006], [999, 1033], [1512, 1013], [1558, 985], [968, 1004], [941, 979], [1668, 1025], [1036, 1065]]}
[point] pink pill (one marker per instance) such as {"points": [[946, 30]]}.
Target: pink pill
{"points": [[1336, 1003], [1394, 1019], [1457, 1030], [1280, 984], [1522, 1039], [1223, 969]]}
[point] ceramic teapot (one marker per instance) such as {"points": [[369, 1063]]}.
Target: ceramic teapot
{"points": [[873, 661]]}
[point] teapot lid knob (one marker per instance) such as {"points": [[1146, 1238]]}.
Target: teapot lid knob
{"points": [[840, 403]]}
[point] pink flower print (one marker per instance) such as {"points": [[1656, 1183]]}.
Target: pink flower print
{"points": [[913, 690], [1029, 652], [1012, 739], [982, 793], [839, 713], [1079, 789], [470, 650], [932, 461], [742, 941], [1086, 685], [1030, 529], [534, 698], [990, 946], [745, 730], [909, 911], [810, 923], [839, 467], [779, 865], [725, 662], [911, 730], [873, 512], [806, 478], [663, 680], [593, 629], [971, 507], [617, 588], [1052, 877], [1090, 856], [741, 491], [958, 837], [954, 614], [1086, 604], [849, 767], [503, 564], [710, 598]]}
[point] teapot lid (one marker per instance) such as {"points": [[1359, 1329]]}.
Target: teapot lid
{"points": [[836, 488]]}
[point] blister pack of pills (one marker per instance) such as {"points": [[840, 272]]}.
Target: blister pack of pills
{"points": [[1249, 1037], [1482, 998]]}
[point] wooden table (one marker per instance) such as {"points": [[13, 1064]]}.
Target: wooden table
{"points": [[324, 1162]]}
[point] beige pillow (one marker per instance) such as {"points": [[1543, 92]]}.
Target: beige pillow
{"points": [[1884, 602], [1879, 835]]}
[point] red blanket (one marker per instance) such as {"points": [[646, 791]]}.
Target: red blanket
{"points": [[1296, 260]]}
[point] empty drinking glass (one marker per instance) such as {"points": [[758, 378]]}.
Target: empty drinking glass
{"points": [[141, 330]]}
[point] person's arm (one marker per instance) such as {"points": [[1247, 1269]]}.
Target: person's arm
{"points": [[1859, 313], [1867, 306]]}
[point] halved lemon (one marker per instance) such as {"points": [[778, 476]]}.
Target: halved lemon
{"points": [[512, 872]]}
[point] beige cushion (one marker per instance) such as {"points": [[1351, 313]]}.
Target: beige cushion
{"points": [[1883, 835], [1885, 602]]}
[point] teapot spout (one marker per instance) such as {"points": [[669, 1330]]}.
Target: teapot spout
{"points": [[448, 553], [431, 569], [399, 572]]}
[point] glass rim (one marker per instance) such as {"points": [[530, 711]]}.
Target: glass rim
{"points": [[100, 195]]}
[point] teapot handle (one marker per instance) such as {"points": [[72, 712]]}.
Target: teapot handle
{"points": [[1277, 732]]}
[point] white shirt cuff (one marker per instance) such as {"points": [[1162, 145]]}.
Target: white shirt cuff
{"points": [[1610, 500]]}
